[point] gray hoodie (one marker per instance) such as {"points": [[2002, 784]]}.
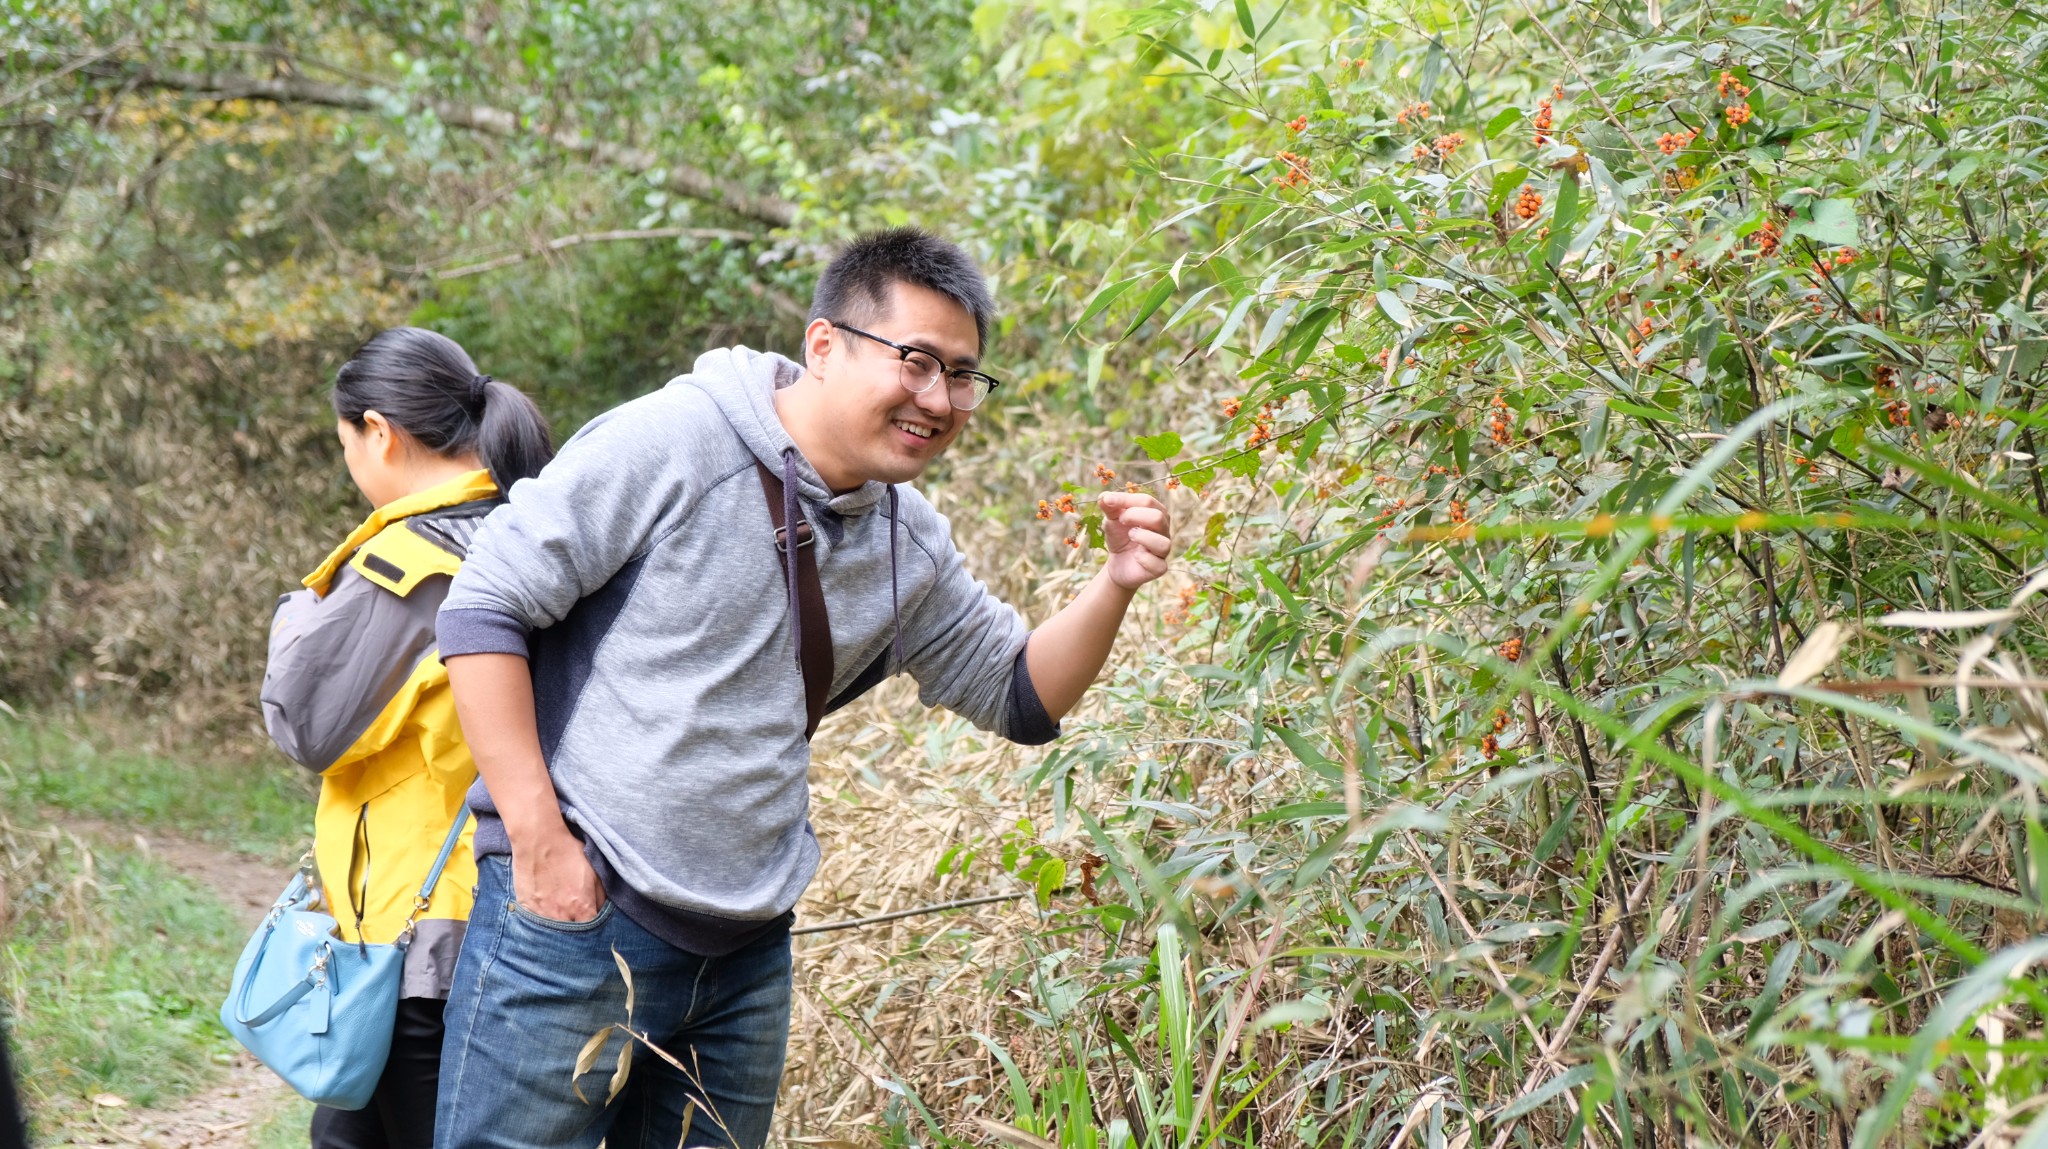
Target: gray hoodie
{"points": [[639, 576]]}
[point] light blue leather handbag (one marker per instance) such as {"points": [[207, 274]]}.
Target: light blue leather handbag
{"points": [[314, 1008]]}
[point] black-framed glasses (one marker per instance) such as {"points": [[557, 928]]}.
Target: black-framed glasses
{"points": [[921, 369]]}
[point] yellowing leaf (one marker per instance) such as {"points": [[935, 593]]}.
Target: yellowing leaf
{"points": [[619, 1075], [626, 973], [1011, 1135], [1814, 655], [586, 1058], [1946, 619]]}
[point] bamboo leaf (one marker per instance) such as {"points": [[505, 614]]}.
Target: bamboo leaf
{"points": [[586, 1058], [1814, 655], [1946, 619]]}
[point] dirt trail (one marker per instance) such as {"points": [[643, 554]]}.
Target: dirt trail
{"points": [[227, 1115]]}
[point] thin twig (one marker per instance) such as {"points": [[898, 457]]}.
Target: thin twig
{"points": [[569, 241], [961, 904]]}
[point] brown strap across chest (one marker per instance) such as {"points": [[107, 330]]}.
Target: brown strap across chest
{"points": [[814, 643]]}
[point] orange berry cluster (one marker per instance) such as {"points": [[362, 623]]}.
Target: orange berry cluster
{"points": [[1104, 475], [1419, 110], [1447, 143], [1132, 488], [1546, 117], [1459, 515], [1297, 170], [1738, 115], [1490, 744], [1528, 202], [1730, 84], [1231, 407], [1178, 615], [1262, 428], [1842, 258], [1671, 143], [1898, 412], [1768, 237], [1511, 650], [1497, 423], [1298, 124]]}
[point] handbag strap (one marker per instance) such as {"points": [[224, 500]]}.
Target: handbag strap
{"points": [[814, 625], [426, 894], [315, 978]]}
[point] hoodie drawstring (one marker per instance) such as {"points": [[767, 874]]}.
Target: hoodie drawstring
{"points": [[895, 609], [792, 517]]}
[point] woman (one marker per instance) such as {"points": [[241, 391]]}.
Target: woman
{"points": [[355, 691]]}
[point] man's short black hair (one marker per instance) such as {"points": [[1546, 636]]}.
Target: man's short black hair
{"points": [[855, 286]]}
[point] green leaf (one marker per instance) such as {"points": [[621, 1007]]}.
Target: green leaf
{"points": [[1299, 812], [1159, 294], [1528, 1103], [1310, 757], [1245, 21], [1642, 411], [1052, 874], [1103, 298], [1394, 309], [1833, 224], [1243, 464], [1160, 447]]}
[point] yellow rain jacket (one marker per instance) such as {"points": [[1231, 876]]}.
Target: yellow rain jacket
{"points": [[355, 691]]}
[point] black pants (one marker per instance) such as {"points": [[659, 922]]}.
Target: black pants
{"points": [[400, 1114]]}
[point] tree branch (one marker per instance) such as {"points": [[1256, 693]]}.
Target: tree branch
{"points": [[569, 241], [683, 179]]}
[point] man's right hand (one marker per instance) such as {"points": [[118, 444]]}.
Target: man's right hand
{"points": [[552, 878]]}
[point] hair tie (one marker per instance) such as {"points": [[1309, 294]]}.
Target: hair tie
{"points": [[479, 386]]}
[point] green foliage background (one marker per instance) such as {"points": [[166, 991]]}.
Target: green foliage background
{"points": [[1599, 704]]}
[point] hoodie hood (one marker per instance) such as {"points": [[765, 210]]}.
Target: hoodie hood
{"points": [[743, 383]]}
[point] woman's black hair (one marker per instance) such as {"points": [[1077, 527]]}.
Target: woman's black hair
{"points": [[425, 384]]}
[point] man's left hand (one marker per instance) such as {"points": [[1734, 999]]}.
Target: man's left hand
{"points": [[1139, 535]]}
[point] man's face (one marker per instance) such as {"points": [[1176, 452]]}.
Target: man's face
{"points": [[879, 429]]}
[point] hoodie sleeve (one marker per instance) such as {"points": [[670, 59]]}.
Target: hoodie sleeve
{"points": [[563, 534], [965, 648]]}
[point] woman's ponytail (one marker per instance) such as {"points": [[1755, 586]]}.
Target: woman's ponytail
{"points": [[513, 435], [425, 384]]}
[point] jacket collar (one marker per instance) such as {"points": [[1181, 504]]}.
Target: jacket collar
{"points": [[465, 488]]}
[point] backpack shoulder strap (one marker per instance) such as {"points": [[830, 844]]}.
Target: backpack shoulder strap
{"points": [[814, 632]]}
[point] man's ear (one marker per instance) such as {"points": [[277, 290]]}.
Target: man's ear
{"points": [[817, 347]]}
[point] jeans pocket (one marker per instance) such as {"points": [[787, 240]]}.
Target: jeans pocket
{"points": [[604, 914]]}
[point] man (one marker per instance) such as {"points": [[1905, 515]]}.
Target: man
{"points": [[624, 648]]}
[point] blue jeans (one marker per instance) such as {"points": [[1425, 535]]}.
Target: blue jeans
{"points": [[529, 992]]}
